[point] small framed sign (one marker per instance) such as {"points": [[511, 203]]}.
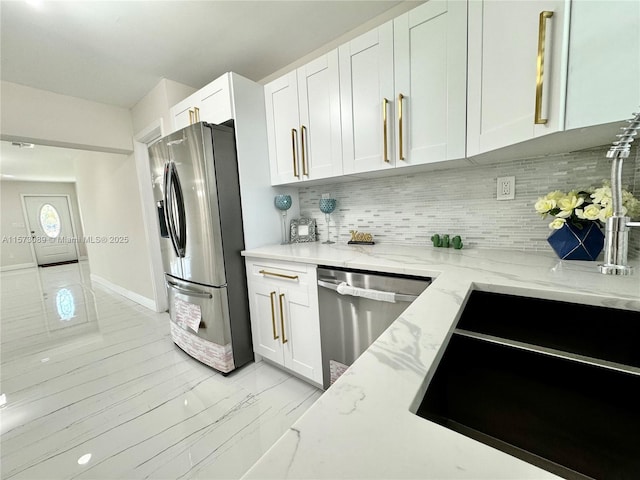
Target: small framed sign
{"points": [[303, 230]]}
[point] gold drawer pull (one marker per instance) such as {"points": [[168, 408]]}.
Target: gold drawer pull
{"points": [[281, 275], [400, 127], [542, 33], [385, 148], [303, 131], [294, 137], [284, 339], [273, 315]]}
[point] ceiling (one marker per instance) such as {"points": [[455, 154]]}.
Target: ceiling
{"points": [[40, 163], [115, 52]]}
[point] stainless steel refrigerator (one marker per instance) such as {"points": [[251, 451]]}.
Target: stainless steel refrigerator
{"points": [[196, 190]]}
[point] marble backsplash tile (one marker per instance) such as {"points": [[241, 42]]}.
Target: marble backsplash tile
{"points": [[408, 209]]}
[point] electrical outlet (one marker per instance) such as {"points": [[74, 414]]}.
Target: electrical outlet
{"points": [[506, 188]]}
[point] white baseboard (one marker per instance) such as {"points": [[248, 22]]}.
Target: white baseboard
{"points": [[136, 297], [18, 266]]}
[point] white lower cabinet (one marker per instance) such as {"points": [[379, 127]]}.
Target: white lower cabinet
{"points": [[285, 324]]}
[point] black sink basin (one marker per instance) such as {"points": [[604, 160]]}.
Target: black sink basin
{"points": [[559, 389]]}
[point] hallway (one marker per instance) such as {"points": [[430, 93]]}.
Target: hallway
{"points": [[92, 386]]}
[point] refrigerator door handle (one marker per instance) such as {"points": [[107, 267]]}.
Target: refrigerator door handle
{"points": [[173, 191], [187, 291], [167, 204]]}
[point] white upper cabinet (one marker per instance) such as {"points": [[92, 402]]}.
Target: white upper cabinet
{"points": [[604, 62], [303, 122], [283, 124], [366, 95], [516, 71], [319, 102], [430, 64], [403, 90], [212, 104]]}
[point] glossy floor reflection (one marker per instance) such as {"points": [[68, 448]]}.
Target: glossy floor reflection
{"points": [[93, 387]]}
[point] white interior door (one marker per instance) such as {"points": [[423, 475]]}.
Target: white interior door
{"points": [[52, 234]]}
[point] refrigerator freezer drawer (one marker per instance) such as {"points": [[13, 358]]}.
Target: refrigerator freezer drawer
{"points": [[200, 322], [201, 310]]}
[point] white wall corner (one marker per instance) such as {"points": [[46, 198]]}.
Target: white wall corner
{"points": [[17, 267], [144, 301]]}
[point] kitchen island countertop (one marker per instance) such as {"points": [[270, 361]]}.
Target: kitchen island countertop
{"points": [[364, 426]]}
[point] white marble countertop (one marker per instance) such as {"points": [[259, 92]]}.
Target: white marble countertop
{"points": [[363, 426]]}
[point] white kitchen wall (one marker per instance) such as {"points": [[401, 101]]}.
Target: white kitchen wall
{"points": [[409, 209], [47, 118], [110, 206], [106, 185], [156, 104]]}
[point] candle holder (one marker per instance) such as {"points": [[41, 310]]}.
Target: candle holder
{"points": [[283, 203], [327, 205]]}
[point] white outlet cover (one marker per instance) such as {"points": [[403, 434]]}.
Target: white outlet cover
{"points": [[506, 188]]}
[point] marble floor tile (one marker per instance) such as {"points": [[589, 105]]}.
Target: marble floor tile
{"points": [[94, 388]]}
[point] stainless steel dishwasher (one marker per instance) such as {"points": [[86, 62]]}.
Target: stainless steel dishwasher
{"points": [[356, 306]]}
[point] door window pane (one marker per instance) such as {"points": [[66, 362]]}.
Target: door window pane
{"points": [[50, 220]]}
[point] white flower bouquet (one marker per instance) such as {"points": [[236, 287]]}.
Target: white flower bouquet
{"points": [[583, 206]]}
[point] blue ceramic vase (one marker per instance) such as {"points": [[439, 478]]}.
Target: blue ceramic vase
{"points": [[574, 243]]}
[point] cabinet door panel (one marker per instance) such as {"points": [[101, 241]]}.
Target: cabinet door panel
{"points": [[281, 101], [427, 129], [319, 101], [509, 67], [302, 352], [265, 322], [215, 102], [604, 63], [503, 52], [430, 72], [180, 114], [366, 79]]}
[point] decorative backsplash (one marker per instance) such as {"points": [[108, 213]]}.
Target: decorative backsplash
{"points": [[409, 209]]}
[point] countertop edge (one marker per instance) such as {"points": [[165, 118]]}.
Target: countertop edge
{"points": [[372, 405]]}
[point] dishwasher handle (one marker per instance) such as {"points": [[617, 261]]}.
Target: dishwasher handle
{"points": [[378, 295]]}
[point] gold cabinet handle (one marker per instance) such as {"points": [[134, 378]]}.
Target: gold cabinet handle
{"points": [[542, 33], [192, 116], [281, 275], [284, 338], [273, 315], [385, 102], [303, 130], [196, 113], [294, 135], [400, 149]]}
